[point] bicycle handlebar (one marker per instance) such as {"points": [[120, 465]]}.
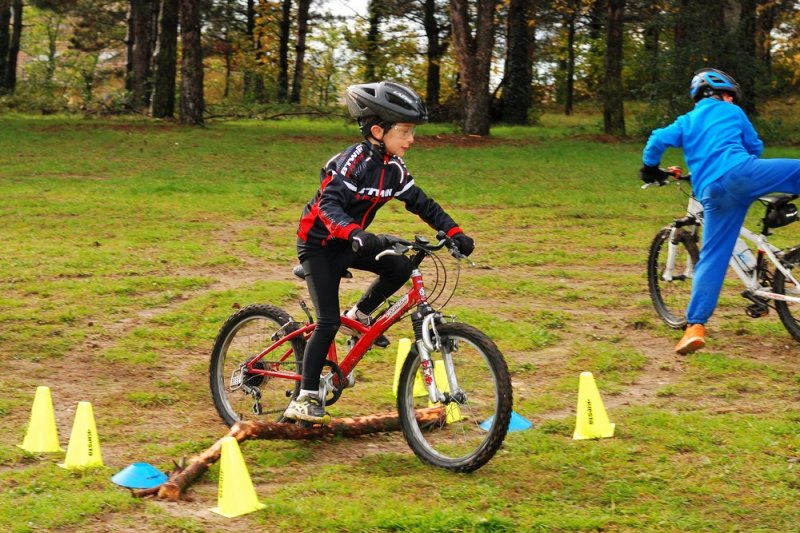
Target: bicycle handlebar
{"points": [[675, 172], [398, 246]]}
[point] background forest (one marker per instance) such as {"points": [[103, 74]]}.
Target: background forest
{"points": [[475, 62]]}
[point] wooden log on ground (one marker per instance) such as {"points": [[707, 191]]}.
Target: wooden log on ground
{"points": [[179, 480]]}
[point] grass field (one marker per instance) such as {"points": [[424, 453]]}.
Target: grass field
{"points": [[126, 244]]}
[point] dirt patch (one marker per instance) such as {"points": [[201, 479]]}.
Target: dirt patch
{"points": [[468, 141]]}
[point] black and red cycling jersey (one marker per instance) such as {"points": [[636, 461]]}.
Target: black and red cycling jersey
{"points": [[356, 183]]}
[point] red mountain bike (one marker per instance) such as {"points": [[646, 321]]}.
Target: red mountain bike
{"points": [[256, 366]]}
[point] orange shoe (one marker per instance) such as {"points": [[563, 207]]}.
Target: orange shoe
{"points": [[693, 339]]}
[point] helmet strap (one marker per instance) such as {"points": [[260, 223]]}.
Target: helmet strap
{"points": [[366, 130]]}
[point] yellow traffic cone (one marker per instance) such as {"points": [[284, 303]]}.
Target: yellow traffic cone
{"points": [[443, 384], [592, 421], [419, 385], [83, 450], [236, 494], [403, 347], [42, 435]]}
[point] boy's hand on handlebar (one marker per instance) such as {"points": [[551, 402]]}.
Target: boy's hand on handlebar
{"points": [[465, 243], [365, 243], [653, 174]]}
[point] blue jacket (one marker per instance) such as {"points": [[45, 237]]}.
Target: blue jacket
{"points": [[716, 136]]}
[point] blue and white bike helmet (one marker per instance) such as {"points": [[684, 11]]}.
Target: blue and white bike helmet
{"points": [[710, 81]]}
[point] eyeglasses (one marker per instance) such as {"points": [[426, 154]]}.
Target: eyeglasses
{"points": [[405, 131]]}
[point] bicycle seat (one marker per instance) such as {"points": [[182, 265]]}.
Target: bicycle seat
{"points": [[777, 198], [301, 273]]}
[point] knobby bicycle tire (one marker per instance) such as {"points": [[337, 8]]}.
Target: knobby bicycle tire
{"points": [[787, 310], [244, 335], [477, 422], [671, 298]]}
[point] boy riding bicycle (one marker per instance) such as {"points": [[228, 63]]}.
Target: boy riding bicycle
{"points": [[722, 149], [333, 236]]}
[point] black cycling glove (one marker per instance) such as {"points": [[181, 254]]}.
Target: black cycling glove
{"points": [[653, 174], [465, 243], [365, 243]]}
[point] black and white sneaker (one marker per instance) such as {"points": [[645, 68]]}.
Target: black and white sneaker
{"points": [[307, 408]]}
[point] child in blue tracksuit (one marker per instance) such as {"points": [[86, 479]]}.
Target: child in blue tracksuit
{"points": [[722, 150]]}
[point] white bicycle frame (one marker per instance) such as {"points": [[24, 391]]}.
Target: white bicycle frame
{"points": [[747, 275]]}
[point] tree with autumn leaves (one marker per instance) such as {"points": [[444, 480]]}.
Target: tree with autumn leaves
{"points": [[476, 62]]}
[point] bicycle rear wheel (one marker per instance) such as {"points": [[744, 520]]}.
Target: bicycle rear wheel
{"points": [[479, 409], [243, 336], [671, 296], [788, 311]]}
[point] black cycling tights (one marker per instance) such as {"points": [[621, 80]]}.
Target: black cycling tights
{"points": [[324, 268]]}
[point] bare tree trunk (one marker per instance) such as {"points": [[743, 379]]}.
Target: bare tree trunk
{"points": [[142, 25], [742, 34], [181, 479], [437, 46], [474, 58], [165, 61], [373, 44], [191, 105], [303, 7], [613, 105], [5, 38], [517, 92], [129, 49], [13, 48], [569, 89], [283, 51]]}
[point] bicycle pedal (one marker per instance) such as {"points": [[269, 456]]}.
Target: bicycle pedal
{"points": [[756, 311]]}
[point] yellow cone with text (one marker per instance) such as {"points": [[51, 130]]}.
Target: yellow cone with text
{"points": [[42, 435], [236, 493], [403, 347], [592, 421], [83, 450]]}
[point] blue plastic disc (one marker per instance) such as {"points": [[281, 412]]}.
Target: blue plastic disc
{"points": [[139, 476], [517, 423]]}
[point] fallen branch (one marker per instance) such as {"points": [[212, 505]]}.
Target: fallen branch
{"points": [[180, 479]]}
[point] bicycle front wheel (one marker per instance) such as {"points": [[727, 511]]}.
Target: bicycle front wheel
{"points": [[474, 420], [788, 311], [241, 396], [671, 288]]}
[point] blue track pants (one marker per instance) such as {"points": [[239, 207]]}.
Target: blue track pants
{"points": [[725, 204]]}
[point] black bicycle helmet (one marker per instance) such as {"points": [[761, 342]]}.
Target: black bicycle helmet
{"points": [[387, 101], [710, 81]]}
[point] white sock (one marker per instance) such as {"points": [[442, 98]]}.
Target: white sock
{"points": [[304, 392]]}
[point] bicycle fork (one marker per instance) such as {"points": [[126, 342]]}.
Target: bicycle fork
{"points": [[427, 340], [672, 254]]}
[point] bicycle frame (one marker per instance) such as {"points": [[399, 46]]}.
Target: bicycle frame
{"points": [[415, 297], [749, 277]]}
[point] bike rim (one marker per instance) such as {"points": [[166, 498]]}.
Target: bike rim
{"points": [[671, 297], [466, 427], [249, 338]]}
